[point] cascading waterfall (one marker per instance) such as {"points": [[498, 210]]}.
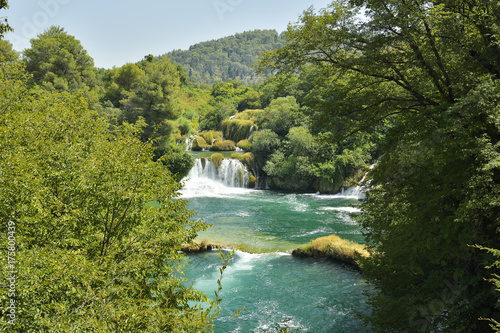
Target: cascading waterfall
{"points": [[356, 191], [189, 143], [231, 172]]}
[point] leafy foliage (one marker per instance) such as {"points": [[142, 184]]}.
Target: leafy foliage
{"points": [[227, 58], [98, 224], [425, 75], [58, 61]]}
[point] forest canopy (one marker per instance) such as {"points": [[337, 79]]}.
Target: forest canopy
{"points": [[426, 72]]}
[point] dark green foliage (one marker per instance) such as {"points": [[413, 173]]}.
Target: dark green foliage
{"points": [[7, 53], [227, 58], [281, 115], [4, 25], [226, 145], [250, 100], [98, 224], [264, 144], [425, 75], [289, 167], [58, 61], [216, 114], [150, 90], [178, 161]]}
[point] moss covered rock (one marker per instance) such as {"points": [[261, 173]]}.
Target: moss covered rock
{"points": [[226, 145], [237, 129], [198, 143], [211, 136], [245, 145], [335, 248], [216, 159]]}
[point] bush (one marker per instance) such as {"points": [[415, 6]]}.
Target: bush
{"points": [[264, 144], [211, 136], [226, 145], [245, 145], [198, 143], [216, 159]]}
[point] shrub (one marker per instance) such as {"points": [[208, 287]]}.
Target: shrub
{"points": [[245, 145], [198, 143], [216, 159], [226, 145], [211, 136], [246, 159]]}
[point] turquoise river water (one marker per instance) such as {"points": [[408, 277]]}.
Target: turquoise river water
{"points": [[308, 295]]}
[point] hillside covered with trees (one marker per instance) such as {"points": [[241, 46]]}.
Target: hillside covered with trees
{"points": [[227, 58]]}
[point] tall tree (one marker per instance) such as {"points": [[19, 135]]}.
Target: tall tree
{"points": [[94, 224], [58, 61], [429, 71]]}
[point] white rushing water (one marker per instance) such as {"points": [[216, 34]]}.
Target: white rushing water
{"points": [[230, 178]]}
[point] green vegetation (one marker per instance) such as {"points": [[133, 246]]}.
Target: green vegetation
{"points": [[420, 79], [199, 143], [335, 248], [227, 58], [226, 145], [216, 159], [92, 253], [236, 130], [412, 86], [244, 144]]}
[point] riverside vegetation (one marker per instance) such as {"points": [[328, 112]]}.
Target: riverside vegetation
{"points": [[413, 86]]}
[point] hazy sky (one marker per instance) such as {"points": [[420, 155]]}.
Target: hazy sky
{"points": [[115, 32]]}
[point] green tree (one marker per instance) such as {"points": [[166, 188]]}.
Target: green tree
{"points": [[216, 114], [97, 224], [58, 61], [426, 71], [281, 115], [264, 143], [250, 99], [4, 25], [289, 168], [7, 52]]}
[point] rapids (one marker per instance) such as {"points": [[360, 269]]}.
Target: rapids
{"points": [[276, 288]]}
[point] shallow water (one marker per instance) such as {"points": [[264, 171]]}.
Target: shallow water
{"points": [[276, 288]]}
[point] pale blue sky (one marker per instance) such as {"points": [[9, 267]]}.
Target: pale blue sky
{"points": [[115, 32]]}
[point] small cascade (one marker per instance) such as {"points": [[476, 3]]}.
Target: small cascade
{"points": [[356, 191], [252, 129], [231, 172], [189, 142]]}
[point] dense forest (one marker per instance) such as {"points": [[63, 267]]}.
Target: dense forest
{"points": [[92, 161], [227, 58]]}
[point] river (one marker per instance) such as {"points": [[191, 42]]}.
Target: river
{"points": [[276, 288]]}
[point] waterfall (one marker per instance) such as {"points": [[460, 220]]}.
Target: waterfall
{"points": [[204, 180], [189, 142], [231, 172], [252, 129], [356, 191]]}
